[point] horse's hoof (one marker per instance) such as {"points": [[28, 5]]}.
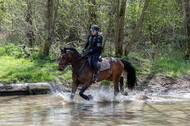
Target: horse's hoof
{"points": [[114, 98], [94, 81], [124, 93], [72, 97], [90, 97]]}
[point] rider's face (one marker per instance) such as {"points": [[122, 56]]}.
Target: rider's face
{"points": [[94, 32]]}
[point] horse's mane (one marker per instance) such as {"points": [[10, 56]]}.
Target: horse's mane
{"points": [[73, 50]]}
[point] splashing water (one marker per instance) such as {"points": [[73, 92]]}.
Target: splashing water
{"points": [[102, 95]]}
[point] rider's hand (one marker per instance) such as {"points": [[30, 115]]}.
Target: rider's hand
{"points": [[83, 50], [89, 51]]}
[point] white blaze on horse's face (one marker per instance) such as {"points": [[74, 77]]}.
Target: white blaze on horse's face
{"points": [[62, 61]]}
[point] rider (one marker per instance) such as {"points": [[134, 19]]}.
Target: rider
{"points": [[95, 45]]}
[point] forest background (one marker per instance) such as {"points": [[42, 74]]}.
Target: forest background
{"points": [[154, 35]]}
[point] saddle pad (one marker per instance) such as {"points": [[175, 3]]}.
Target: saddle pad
{"points": [[104, 65]]}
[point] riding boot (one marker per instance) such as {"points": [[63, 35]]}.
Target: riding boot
{"points": [[95, 66], [95, 78]]}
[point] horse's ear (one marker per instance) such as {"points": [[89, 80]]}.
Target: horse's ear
{"points": [[65, 49]]}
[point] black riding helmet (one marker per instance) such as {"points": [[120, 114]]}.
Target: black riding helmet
{"points": [[94, 27]]}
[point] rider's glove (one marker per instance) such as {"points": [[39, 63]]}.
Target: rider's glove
{"points": [[83, 50], [89, 51]]}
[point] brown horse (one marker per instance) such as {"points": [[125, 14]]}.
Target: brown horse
{"points": [[83, 74]]}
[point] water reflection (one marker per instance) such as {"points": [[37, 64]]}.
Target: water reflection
{"points": [[50, 110]]}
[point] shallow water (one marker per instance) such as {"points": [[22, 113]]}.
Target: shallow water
{"points": [[48, 110]]}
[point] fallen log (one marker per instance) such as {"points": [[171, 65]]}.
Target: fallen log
{"points": [[27, 88]]}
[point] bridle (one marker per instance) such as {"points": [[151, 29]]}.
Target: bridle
{"points": [[71, 62], [67, 58]]}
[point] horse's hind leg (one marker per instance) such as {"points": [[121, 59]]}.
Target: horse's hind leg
{"points": [[116, 79], [81, 93], [121, 85], [116, 88]]}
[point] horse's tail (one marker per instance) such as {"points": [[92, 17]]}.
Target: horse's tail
{"points": [[131, 74]]}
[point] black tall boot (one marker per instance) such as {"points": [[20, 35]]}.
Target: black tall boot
{"points": [[95, 78]]}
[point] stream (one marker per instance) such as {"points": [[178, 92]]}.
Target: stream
{"points": [[132, 110]]}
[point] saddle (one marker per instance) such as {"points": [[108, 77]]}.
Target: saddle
{"points": [[103, 64]]}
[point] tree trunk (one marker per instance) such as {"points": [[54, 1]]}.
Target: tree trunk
{"points": [[92, 14], [119, 29], [109, 28], [135, 32], [186, 9], [30, 32], [51, 14]]}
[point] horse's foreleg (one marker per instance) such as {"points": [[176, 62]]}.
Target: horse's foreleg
{"points": [[74, 88], [81, 93]]}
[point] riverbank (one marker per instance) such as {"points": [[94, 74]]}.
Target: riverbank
{"points": [[165, 85], [16, 68], [158, 84]]}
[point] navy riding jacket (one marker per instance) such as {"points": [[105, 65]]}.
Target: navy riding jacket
{"points": [[95, 43]]}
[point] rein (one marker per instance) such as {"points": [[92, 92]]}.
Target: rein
{"points": [[72, 61], [79, 58]]}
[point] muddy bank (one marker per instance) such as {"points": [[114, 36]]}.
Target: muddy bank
{"points": [[155, 84], [163, 84]]}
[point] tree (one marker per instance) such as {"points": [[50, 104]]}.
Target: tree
{"points": [[135, 32], [92, 12], [110, 24], [119, 27], [1, 12], [51, 14], [29, 20], [186, 9]]}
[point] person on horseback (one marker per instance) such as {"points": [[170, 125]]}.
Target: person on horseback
{"points": [[94, 42]]}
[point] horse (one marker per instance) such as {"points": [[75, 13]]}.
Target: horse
{"points": [[82, 72]]}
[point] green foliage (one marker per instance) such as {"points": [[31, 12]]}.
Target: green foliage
{"points": [[173, 67], [22, 70], [162, 65], [36, 68], [105, 82], [67, 74]]}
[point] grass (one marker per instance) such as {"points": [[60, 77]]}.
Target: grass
{"points": [[168, 66], [172, 67], [15, 68], [22, 70]]}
